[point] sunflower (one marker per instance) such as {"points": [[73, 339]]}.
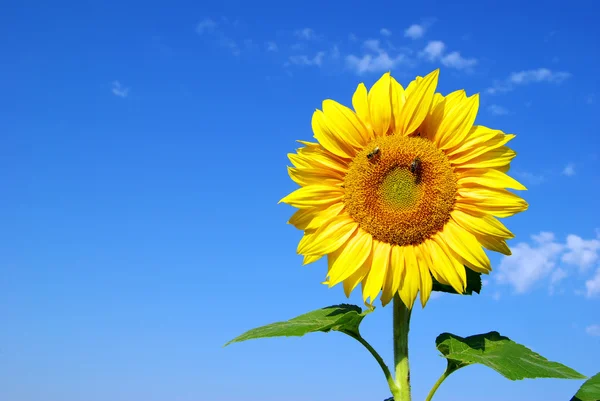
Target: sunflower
{"points": [[403, 189]]}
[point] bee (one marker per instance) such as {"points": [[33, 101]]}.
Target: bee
{"points": [[375, 152], [415, 166]]}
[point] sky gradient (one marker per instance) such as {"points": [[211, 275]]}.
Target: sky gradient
{"points": [[144, 150]]}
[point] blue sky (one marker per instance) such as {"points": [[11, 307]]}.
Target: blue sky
{"points": [[143, 154]]}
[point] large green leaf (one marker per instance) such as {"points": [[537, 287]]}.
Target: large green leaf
{"points": [[473, 284], [513, 361], [590, 390], [344, 317]]}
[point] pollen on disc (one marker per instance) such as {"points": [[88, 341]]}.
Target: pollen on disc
{"points": [[393, 202]]}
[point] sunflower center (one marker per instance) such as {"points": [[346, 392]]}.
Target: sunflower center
{"points": [[400, 189]]}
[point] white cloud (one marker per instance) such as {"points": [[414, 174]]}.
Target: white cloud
{"points": [[593, 330], [455, 60], [581, 253], [497, 110], [434, 50], [527, 77], [569, 170], [530, 178], [206, 25], [306, 34], [415, 31], [370, 63], [272, 46], [539, 75], [317, 60], [548, 259], [352, 37], [335, 52], [377, 62], [529, 264], [119, 90], [385, 32], [372, 45], [592, 286], [556, 277], [209, 28]]}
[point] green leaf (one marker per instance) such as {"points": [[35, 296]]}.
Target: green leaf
{"points": [[344, 318], [513, 361], [473, 284], [590, 390]]}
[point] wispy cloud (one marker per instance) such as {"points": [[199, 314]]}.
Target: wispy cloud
{"points": [[593, 330], [569, 170], [370, 63], [580, 252], [385, 32], [592, 285], [547, 259], [119, 90], [435, 50], [207, 25], [306, 34], [455, 60], [415, 31], [527, 77], [305, 60], [210, 29], [530, 178], [272, 46], [497, 110]]}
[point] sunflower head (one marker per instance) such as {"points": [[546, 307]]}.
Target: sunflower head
{"points": [[402, 189]]}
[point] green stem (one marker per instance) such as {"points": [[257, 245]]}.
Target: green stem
{"points": [[378, 358], [401, 325], [449, 370]]}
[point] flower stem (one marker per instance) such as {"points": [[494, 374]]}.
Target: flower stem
{"points": [[378, 358], [401, 324], [451, 368]]}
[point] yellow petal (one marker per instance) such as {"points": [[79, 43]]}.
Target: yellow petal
{"points": [[360, 102], [318, 158], [357, 277], [314, 195], [418, 103], [439, 105], [492, 158], [350, 257], [302, 217], [410, 284], [395, 275], [374, 280], [336, 143], [450, 270], [398, 100], [323, 215], [481, 225], [494, 244], [478, 136], [457, 122], [380, 105], [343, 120], [426, 283], [304, 177], [493, 197], [311, 258], [465, 245], [497, 211], [489, 178], [329, 237]]}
